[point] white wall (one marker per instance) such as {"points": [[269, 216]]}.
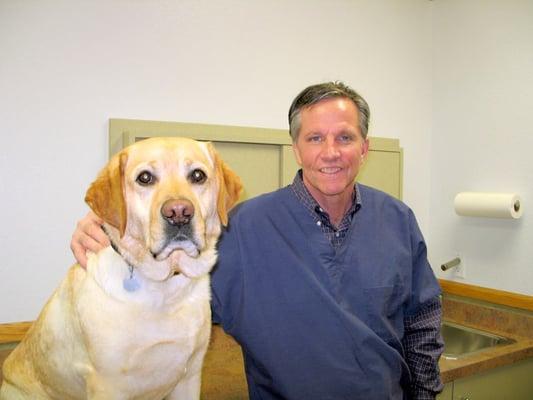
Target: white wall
{"points": [[483, 137], [66, 67]]}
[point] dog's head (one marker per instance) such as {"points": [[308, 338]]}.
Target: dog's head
{"points": [[161, 195]]}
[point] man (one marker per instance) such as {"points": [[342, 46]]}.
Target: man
{"points": [[325, 283]]}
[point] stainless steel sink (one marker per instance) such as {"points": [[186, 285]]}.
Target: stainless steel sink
{"points": [[460, 341]]}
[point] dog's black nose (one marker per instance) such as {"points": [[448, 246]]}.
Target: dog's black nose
{"points": [[177, 212]]}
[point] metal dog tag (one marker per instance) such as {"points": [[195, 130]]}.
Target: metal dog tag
{"points": [[131, 284]]}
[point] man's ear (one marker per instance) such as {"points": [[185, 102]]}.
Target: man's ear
{"points": [[366, 147], [229, 184], [364, 151], [296, 151], [106, 196]]}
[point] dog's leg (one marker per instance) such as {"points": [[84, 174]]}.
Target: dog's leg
{"points": [[188, 388], [100, 389], [190, 385], [9, 392]]}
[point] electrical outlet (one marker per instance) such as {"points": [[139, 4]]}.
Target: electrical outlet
{"points": [[460, 269]]}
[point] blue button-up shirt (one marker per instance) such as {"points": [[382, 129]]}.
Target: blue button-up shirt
{"points": [[320, 321]]}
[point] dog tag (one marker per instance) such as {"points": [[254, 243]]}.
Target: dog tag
{"points": [[131, 284]]}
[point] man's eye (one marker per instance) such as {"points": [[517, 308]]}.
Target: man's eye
{"points": [[314, 139], [197, 176], [145, 178], [346, 138]]}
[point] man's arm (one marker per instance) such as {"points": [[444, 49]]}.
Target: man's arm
{"points": [[423, 346], [422, 323]]}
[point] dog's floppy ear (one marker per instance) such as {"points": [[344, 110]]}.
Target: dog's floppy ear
{"points": [[105, 196], [230, 186]]}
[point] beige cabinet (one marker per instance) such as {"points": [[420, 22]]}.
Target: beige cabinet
{"points": [[511, 382], [263, 158], [447, 393]]}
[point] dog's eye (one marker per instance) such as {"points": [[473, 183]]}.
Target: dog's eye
{"points": [[145, 178], [197, 176]]}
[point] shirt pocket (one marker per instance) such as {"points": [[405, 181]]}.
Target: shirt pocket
{"points": [[384, 311]]}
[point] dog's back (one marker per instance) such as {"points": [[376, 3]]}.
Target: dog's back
{"points": [[34, 369]]}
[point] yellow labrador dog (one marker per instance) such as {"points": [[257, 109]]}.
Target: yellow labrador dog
{"points": [[136, 323]]}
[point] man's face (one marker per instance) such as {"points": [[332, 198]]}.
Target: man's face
{"points": [[330, 149]]}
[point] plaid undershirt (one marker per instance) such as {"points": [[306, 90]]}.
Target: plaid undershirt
{"points": [[422, 341], [335, 235]]}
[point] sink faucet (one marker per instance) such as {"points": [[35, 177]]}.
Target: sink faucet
{"points": [[450, 264]]}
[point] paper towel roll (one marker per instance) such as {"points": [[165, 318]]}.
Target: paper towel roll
{"points": [[491, 205]]}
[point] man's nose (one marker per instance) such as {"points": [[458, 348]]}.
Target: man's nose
{"points": [[330, 149]]}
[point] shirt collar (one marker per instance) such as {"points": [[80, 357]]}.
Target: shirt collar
{"points": [[312, 205]]}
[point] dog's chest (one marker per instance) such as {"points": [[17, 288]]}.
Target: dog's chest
{"points": [[156, 358], [139, 345]]}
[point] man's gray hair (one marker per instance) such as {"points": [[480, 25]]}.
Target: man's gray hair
{"points": [[327, 90]]}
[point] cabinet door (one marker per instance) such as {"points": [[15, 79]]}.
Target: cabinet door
{"points": [[447, 392], [382, 170], [512, 382], [258, 165]]}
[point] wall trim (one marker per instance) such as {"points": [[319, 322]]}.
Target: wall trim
{"points": [[495, 296], [14, 332]]}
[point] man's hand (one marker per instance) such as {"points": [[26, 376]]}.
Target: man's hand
{"points": [[88, 236]]}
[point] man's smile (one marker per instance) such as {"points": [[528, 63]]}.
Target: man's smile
{"points": [[330, 170]]}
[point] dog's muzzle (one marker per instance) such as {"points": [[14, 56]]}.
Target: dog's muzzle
{"points": [[178, 231]]}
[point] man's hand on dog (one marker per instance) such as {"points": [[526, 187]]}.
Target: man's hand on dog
{"points": [[88, 236]]}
